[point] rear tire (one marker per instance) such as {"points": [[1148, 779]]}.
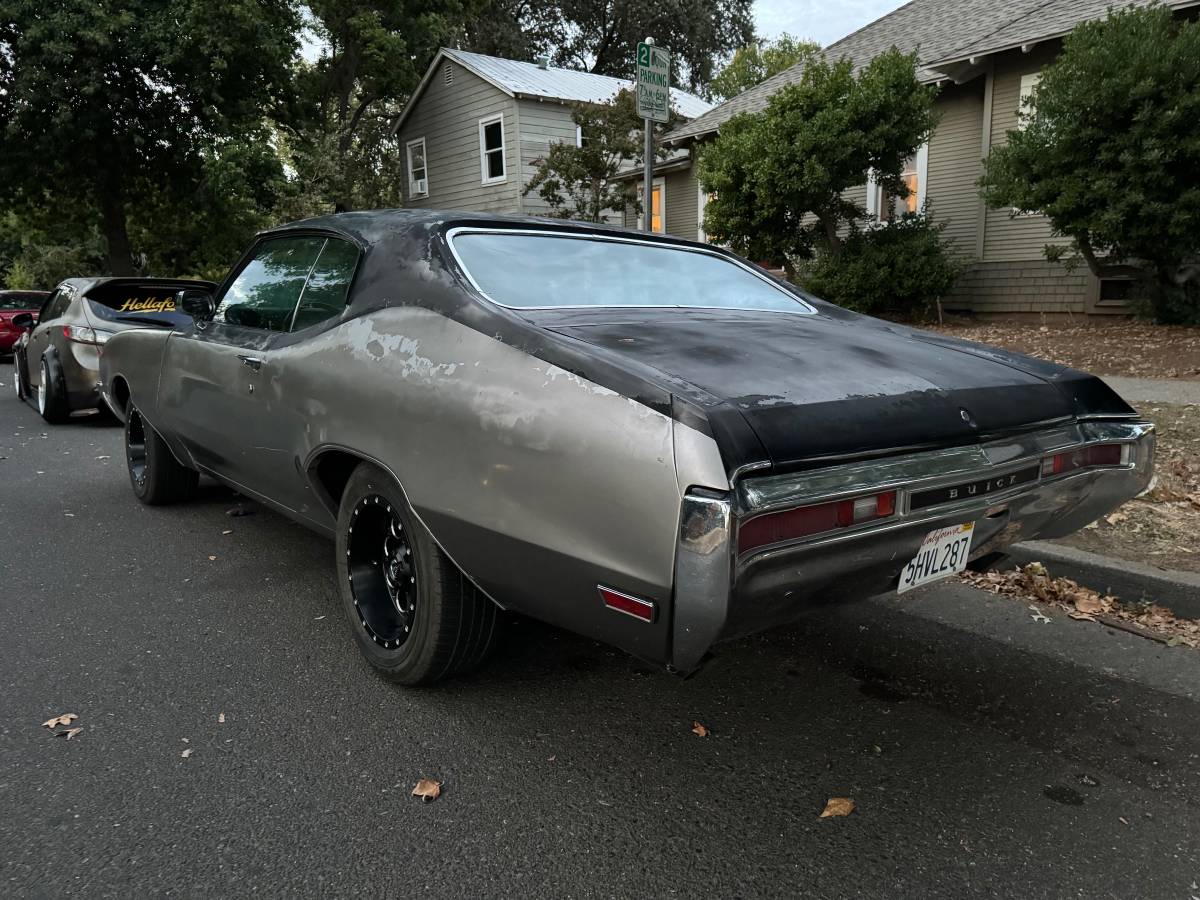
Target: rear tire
{"points": [[157, 476], [52, 393], [415, 617]]}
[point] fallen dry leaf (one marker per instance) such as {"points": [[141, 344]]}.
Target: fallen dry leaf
{"points": [[837, 806], [186, 753], [699, 730], [227, 531], [221, 717], [69, 733], [64, 719], [211, 558], [427, 790], [1089, 604]]}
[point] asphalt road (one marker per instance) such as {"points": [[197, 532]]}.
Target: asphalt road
{"points": [[988, 754]]}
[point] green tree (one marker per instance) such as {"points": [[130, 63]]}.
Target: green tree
{"points": [[1110, 152], [372, 54], [578, 182], [779, 178], [758, 61], [601, 36], [103, 104]]}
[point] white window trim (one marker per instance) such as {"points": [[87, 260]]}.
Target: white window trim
{"points": [[412, 184], [483, 151], [578, 135], [661, 184], [701, 204]]}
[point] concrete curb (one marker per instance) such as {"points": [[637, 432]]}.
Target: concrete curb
{"points": [[1125, 579]]}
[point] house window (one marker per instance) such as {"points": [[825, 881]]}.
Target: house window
{"points": [[885, 207], [1029, 85], [491, 149], [658, 199], [418, 174]]}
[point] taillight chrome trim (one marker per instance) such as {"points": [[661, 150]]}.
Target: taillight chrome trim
{"points": [[915, 473]]}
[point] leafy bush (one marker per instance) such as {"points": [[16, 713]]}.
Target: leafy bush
{"points": [[903, 268]]}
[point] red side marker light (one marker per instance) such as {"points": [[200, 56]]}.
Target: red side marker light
{"points": [[631, 606]]}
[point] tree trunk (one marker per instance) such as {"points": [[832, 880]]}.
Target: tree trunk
{"points": [[831, 236], [116, 234]]}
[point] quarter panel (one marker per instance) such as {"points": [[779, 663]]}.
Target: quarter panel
{"points": [[136, 356], [538, 483]]}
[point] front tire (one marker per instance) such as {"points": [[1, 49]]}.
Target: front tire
{"points": [[157, 476], [415, 617], [52, 393], [20, 385]]}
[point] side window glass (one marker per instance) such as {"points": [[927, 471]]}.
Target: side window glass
{"points": [[46, 313], [264, 293], [325, 294]]}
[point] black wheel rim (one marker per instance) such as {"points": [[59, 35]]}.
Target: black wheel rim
{"points": [[382, 572], [135, 448]]}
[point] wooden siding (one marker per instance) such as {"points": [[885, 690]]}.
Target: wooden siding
{"points": [[682, 198], [1008, 238], [542, 124], [955, 164], [447, 116], [1027, 286]]}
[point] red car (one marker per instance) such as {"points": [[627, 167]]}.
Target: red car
{"points": [[14, 303]]}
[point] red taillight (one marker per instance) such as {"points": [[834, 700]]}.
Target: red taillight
{"points": [[633, 606], [773, 528], [1084, 458]]}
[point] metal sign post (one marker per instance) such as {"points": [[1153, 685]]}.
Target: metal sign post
{"points": [[653, 105]]}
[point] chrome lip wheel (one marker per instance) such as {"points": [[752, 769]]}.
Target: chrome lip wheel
{"points": [[135, 448], [382, 572]]}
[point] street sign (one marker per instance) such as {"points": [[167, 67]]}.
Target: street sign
{"points": [[653, 82]]}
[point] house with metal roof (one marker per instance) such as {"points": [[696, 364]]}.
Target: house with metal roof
{"points": [[985, 57], [477, 125]]}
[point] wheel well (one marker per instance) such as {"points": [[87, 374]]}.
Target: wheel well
{"points": [[120, 393], [330, 472]]}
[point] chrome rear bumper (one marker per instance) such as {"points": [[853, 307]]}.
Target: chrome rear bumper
{"points": [[719, 595]]}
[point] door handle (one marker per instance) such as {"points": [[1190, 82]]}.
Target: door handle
{"points": [[252, 361]]}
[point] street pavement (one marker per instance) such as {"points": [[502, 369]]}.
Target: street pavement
{"points": [[1155, 390], [988, 753]]}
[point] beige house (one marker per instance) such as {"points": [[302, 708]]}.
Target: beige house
{"points": [[984, 56], [476, 126]]}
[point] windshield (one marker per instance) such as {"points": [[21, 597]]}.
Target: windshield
{"points": [[534, 270], [22, 299]]}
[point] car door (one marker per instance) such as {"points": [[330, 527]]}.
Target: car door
{"points": [[217, 392], [300, 375], [40, 338]]}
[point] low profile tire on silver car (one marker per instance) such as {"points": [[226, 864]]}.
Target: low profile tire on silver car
{"points": [[19, 385], [414, 615], [52, 393], [157, 476]]}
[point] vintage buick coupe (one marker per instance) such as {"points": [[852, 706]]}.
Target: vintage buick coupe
{"points": [[642, 439]]}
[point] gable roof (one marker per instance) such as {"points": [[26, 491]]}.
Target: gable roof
{"points": [[526, 79], [941, 31]]}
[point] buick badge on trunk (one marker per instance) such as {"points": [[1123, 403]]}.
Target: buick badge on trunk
{"points": [[646, 440]]}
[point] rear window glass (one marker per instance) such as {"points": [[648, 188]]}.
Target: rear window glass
{"points": [[153, 304], [531, 271], [22, 300]]}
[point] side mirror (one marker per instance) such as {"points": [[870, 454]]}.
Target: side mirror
{"points": [[24, 321], [197, 304]]}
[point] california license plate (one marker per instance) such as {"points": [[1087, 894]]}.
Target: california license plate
{"points": [[943, 553]]}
